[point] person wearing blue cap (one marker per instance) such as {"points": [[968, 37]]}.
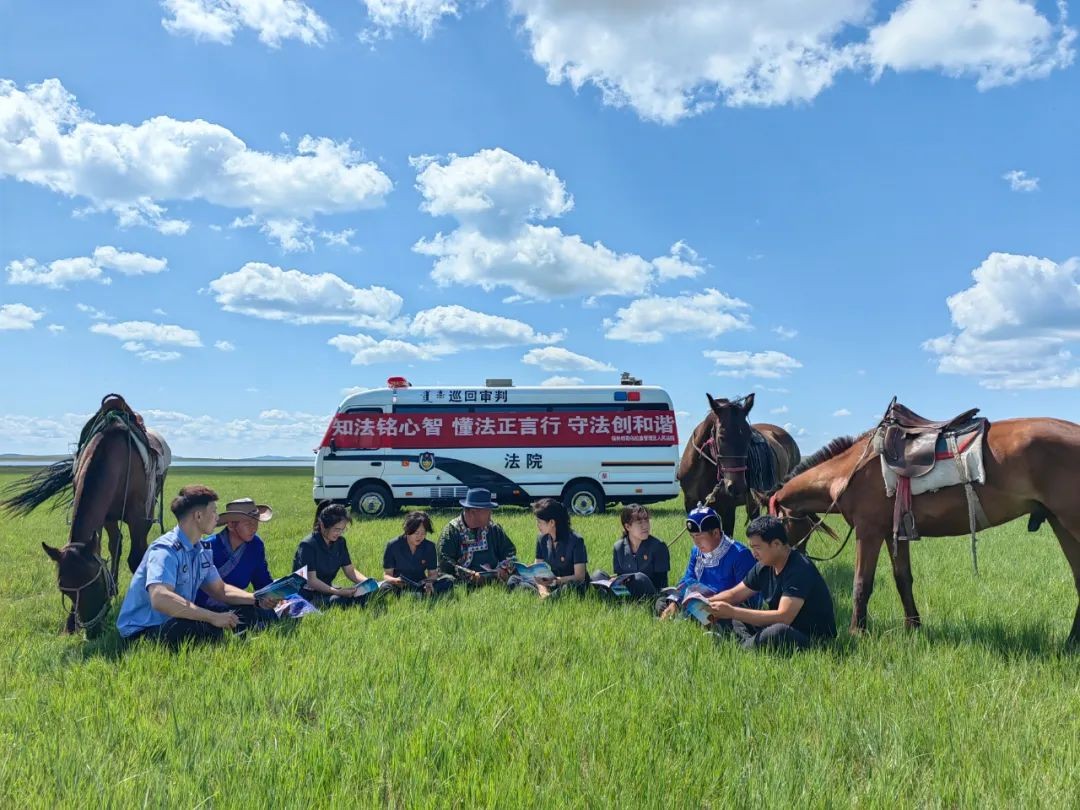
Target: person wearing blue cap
{"points": [[717, 563], [473, 543]]}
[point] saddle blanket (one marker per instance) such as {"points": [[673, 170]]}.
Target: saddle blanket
{"points": [[946, 472]]}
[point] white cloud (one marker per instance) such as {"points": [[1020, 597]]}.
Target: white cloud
{"points": [[497, 199], [1019, 180], [366, 350], [456, 326], [794, 429], [785, 333], [61, 272], [998, 42], [135, 335], [678, 58], [768, 364], [218, 20], [57, 274], [1017, 326], [95, 314], [18, 316], [673, 59], [842, 412], [46, 139], [781, 409], [649, 320], [265, 291], [188, 434], [55, 328], [556, 358], [559, 381], [418, 16], [224, 346]]}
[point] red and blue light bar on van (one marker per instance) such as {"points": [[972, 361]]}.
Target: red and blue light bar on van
{"points": [[627, 396]]}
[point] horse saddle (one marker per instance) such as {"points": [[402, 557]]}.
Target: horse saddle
{"points": [[912, 444]]}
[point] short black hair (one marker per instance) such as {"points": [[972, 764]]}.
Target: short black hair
{"points": [[768, 528], [414, 520], [190, 498]]}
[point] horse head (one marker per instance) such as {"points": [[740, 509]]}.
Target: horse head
{"points": [[730, 440], [83, 577]]}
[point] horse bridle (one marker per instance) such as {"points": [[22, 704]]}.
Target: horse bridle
{"points": [[716, 459], [74, 594]]}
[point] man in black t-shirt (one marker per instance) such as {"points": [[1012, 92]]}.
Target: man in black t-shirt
{"points": [[800, 609]]}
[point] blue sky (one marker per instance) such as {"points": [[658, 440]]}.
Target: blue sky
{"points": [[231, 212]]}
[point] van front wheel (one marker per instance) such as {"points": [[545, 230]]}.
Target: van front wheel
{"points": [[584, 498], [372, 501]]}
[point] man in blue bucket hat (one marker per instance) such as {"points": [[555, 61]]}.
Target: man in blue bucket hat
{"points": [[473, 547], [716, 564]]}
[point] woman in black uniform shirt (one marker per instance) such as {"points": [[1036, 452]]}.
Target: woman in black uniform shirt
{"points": [[409, 561], [558, 546], [638, 554]]}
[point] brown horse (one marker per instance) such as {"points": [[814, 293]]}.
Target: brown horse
{"points": [[1032, 468], [107, 484], [719, 466]]}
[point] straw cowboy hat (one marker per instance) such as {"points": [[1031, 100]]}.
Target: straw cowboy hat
{"points": [[245, 508]]}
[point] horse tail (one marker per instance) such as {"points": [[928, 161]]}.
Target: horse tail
{"points": [[1037, 517], [23, 496]]}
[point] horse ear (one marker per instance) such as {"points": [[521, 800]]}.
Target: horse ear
{"points": [[712, 404], [54, 553], [748, 403]]}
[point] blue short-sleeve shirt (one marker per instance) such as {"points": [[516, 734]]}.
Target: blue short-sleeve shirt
{"points": [[171, 560]]}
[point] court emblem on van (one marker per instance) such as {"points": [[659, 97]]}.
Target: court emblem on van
{"points": [[427, 461]]}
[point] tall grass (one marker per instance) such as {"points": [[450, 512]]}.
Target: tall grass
{"points": [[497, 699]]}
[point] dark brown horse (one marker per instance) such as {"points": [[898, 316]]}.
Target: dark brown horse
{"points": [[106, 484], [720, 463], [1032, 468]]}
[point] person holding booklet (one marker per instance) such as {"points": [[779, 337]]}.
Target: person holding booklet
{"points": [[325, 553], [239, 554], [410, 560], [799, 610], [716, 563], [641, 562], [560, 548], [473, 548], [160, 601]]}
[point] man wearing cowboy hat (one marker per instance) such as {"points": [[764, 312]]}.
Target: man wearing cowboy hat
{"points": [[473, 540], [239, 553]]}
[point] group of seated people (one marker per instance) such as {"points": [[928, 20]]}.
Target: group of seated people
{"points": [[766, 594]]}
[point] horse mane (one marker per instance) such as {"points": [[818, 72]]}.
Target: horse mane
{"points": [[834, 448]]}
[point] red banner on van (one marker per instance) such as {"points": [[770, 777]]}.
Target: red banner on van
{"points": [[356, 431]]}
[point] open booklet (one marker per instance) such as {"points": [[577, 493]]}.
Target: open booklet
{"points": [[484, 571], [286, 586], [369, 585], [695, 603], [419, 585], [616, 585], [540, 570]]}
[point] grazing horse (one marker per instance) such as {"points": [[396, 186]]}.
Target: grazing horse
{"points": [[1032, 467], [724, 462], [106, 483]]}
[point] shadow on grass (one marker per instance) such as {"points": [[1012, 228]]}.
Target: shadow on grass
{"points": [[1012, 641]]}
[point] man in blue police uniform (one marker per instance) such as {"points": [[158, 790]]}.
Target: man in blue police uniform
{"points": [[160, 602], [716, 563]]}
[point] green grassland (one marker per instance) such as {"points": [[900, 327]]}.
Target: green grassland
{"points": [[496, 699]]}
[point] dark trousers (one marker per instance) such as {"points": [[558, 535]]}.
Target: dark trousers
{"points": [[778, 637], [640, 586], [325, 600], [516, 583], [175, 632]]}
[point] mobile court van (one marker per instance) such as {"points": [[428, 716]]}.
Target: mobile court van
{"points": [[587, 445]]}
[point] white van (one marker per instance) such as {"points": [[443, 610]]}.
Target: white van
{"points": [[426, 445]]}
